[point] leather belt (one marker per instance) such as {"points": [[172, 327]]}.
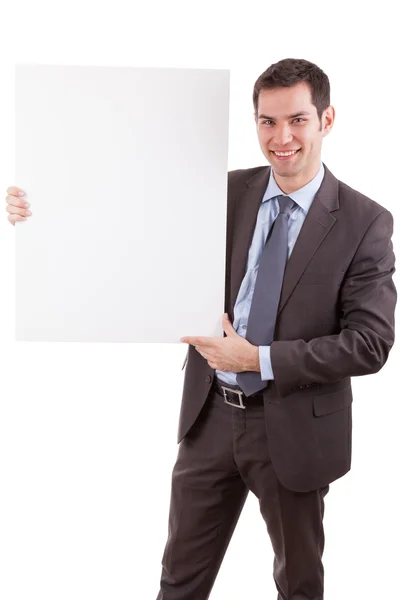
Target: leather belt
{"points": [[234, 396]]}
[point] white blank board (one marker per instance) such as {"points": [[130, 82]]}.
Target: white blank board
{"points": [[126, 172]]}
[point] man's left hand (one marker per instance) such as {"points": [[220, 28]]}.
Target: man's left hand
{"points": [[230, 353]]}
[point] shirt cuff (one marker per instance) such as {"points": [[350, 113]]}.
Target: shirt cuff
{"points": [[264, 353]]}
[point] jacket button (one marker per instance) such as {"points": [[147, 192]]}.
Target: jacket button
{"points": [[208, 379]]}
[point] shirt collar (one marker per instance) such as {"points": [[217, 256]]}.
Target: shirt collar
{"points": [[303, 196]]}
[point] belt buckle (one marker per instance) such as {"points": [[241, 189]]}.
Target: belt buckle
{"points": [[238, 392]]}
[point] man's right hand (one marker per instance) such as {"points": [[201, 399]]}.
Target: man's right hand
{"points": [[17, 206]]}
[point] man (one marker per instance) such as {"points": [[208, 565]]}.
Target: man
{"points": [[267, 408]]}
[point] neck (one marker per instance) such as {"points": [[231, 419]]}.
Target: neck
{"points": [[292, 184]]}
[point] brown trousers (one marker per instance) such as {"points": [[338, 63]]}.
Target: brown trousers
{"points": [[225, 455]]}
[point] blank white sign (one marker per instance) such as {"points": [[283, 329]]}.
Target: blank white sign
{"points": [[126, 172]]}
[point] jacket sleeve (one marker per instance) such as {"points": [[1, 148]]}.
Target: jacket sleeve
{"points": [[367, 299]]}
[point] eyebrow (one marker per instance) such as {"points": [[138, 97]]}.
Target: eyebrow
{"points": [[299, 114]]}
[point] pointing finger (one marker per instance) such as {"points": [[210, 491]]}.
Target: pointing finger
{"points": [[197, 341]]}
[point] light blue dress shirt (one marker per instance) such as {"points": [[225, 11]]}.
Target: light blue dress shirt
{"points": [[268, 211]]}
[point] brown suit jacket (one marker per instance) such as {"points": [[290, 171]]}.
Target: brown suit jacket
{"points": [[335, 321]]}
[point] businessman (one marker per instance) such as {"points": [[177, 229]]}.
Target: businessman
{"points": [[309, 303]]}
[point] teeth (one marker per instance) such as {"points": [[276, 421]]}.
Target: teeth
{"points": [[285, 153]]}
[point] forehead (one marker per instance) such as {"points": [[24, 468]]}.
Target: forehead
{"points": [[284, 101]]}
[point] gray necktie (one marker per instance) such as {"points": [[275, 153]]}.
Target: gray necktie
{"points": [[267, 291]]}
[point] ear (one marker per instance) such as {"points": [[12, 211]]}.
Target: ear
{"points": [[328, 119]]}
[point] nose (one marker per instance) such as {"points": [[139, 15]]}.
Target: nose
{"points": [[283, 135]]}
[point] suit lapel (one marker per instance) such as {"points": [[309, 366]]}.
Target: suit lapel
{"points": [[246, 211], [316, 227]]}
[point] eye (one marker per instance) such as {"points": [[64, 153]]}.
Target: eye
{"points": [[299, 119], [266, 121]]}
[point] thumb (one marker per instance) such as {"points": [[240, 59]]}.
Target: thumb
{"points": [[227, 325]]}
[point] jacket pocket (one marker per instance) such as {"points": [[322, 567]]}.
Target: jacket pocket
{"points": [[318, 278], [331, 403]]}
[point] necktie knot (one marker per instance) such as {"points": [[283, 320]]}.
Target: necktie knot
{"points": [[285, 204]]}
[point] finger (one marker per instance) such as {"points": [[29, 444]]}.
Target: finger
{"points": [[14, 218], [16, 210], [15, 201], [15, 191], [196, 341], [227, 325]]}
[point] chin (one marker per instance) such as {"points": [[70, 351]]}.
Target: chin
{"points": [[286, 171]]}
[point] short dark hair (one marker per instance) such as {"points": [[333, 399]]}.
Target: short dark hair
{"points": [[289, 72]]}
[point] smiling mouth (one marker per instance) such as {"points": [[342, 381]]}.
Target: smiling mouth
{"points": [[287, 153]]}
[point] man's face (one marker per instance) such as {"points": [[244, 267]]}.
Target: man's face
{"points": [[288, 121]]}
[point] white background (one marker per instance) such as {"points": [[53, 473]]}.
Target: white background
{"points": [[85, 490]]}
